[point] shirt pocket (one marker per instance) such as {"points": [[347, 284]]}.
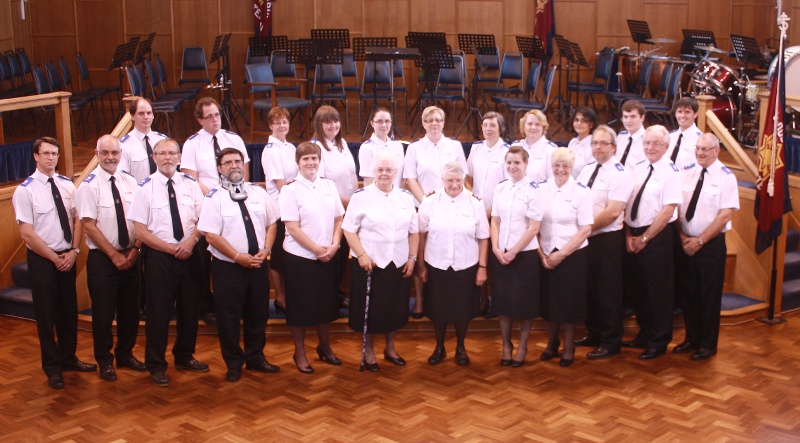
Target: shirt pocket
{"points": [[710, 196]]}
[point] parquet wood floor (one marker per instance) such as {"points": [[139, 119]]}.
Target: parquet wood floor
{"points": [[749, 392]]}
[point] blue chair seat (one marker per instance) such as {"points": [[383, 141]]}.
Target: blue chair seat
{"points": [[265, 104]]}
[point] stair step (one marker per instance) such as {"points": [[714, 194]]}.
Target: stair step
{"points": [[732, 301], [792, 239], [17, 302], [791, 266], [791, 295], [19, 273]]}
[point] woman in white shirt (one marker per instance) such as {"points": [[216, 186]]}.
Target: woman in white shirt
{"points": [[381, 227], [566, 225], [279, 165], [516, 213], [534, 125], [583, 123], [312, 211], [381, 141], [454, 234]]}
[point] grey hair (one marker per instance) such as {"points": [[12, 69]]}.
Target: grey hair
{"points": [[453, 167], [563, 155], [382, 155], [660, 129], [607, 129], [105, 139]]}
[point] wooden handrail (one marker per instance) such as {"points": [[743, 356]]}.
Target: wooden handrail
{"points": [[713, 122], [122, 128]]}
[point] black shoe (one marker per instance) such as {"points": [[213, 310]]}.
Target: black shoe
{"points": [[634, 344], [160, 379], [505, 362], [263, 366], [627, 313], [462, 359], [371, 367], [396, 360], [79, 366], [192, 365], [517, 363], [547, 355], [418, 315], [602, 352], [650, 353], [56, 381], [438, 355], [329, 359], [131, 363], [108, 373], [588, 342], [233, 375], [684, 348], [280, 310], [306, 370], [703, 354], [210, 318], [564, 362], [490, 314]]}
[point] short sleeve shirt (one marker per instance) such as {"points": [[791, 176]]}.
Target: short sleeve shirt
{"points": [[486, 166], [150, 205], [277, 160], [314, 205], [720, 191], [198, 154], [95, 200], [566, 209], [516, 204], [34, 204], [371, 147]]}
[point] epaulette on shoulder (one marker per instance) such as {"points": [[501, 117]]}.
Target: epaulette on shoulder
{"points": [[230, 132], [358, 190], [193, 136], [162, 135], [255, 185], [623, 132], [124, 137], [619, 166], [726, 170], [534, 185], [63, 177], [689, 166], [369, 140], [552, 144], [504, 180], [542, 182], [479, 142], [290, 182], [406, 191], [126, 172], [26, 182], [673, 131], [475, 197], [699, 133], [581, 185], [430, 193], [268, 145], [89, 178], [314, 140], [637, 164], [189, 176], [506, 145], [674, 168], [414, 141], [516, 142], [211, 192], [142, 183]]}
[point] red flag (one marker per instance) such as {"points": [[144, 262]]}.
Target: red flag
{"points": [[772, 201], [544, 25], [262, 15]]}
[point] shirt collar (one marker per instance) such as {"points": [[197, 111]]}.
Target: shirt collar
{"points": [[140, 135], [42, 177], [639, 134], [161, 178], [305, 181]]}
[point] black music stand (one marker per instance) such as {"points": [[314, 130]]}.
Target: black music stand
{"points": [[747, 51], [122, 54], [433, 56], [699, 37], [564, 107], [477, 44], [580, 61], [229, 106], [144, 49], [263, 46], [341, 36], [310, 52], [368, 49], [640, 33]]}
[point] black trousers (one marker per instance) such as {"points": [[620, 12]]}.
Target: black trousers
{"points": [[241, 294], [55, 306], [113, 293], [604, 317], [171, 283], [650, 281], [700, 291], [206, 296]]}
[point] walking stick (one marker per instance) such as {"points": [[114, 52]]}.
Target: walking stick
{"points": [[366, 317]]}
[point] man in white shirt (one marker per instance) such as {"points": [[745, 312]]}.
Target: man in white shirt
{"points": [[137, 146], [629, 142], [683, 139]]}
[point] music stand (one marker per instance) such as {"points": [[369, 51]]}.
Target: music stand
{"points": [[747, 50], [341, 36], [435, 54], [531, 47], [263, 46], [369, 49], [229, 105], [414, 40], [477, 44], [699, 37], [564, 107], [640, 33], [122, 54], [144, 48]]}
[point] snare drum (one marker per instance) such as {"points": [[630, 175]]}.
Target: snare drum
{"points": [[718, 76]]}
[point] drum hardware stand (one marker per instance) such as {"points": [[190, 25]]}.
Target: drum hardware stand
{"points": [[564, 108], [228, 104]]}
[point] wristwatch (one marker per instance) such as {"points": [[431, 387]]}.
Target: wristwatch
{"points": [[700, 240], [644, 239], [77, 250]]}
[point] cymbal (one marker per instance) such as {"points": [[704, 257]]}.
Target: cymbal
{"points": [[661, 40], [710, 49], [680, 61]]}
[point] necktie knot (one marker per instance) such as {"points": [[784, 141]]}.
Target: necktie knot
{"points": [[112, 179]]}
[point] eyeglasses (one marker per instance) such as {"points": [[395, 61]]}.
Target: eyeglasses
{"points": [[434, 120], [232, 162], [212, 116], [163, 154], [654, 144], [582, 120], [382, 122], [595, 144], [704, 149], [48, 154], [386, 170]]}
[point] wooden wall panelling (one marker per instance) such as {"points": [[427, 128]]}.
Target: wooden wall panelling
{"points": [[9, 238], [145, 16], [6, 29], [754, 20], [99, 31], [340, 14], [612, 16], [713, 15], [53, 17], [667, 20], [294, 18], [794, 31], [192, 27], [236, 16], [473, 18], [577, 21], [433, 16], [21, 28], [387, 18], [162, 45]]}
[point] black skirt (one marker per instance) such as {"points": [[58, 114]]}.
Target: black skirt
{"points": [[277, 259], [310, 291], [388, 298], [564, 289], [515, 287], [452, 296]]}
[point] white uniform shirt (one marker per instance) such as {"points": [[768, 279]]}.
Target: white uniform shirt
{"points": [[636, 154], [612, 183], [583, 154], [383, 223], [33, 204], [134, 159], [94, 200], [663, 188], [277, 160], [339, 166], [486, 166], [198, 154], [371, 147], [566, 209], [686, 155], [539, 154], [150, 205], [516, 204], [314, 205], [424, 161], [454, 227], [222, 216], [720, 191]]}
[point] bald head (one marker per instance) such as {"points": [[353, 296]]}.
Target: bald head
{"points": [[108, 153]]}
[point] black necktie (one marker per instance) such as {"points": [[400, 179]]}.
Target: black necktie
{"points": [[252, 241], [677, 148], [635, 207], [62, 211], [149, 154], [594, 176], [217, 150], [627, 151], [122, 227], [695, 196], [177, 226]]}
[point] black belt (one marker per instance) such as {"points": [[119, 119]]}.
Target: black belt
{"points": [[63, 252], [638, 231]]}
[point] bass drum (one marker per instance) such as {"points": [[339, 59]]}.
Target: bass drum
{"points": [[629, 67], [717, 76], [725, 109], [791, 59]]}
